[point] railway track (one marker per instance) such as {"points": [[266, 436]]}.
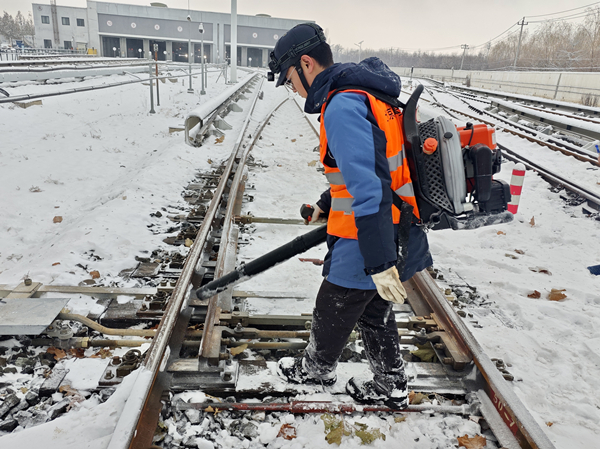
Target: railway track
{"points": [[194, 344], [568, 142]]}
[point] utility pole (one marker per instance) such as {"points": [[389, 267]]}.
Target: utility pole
{"points": [[522, 23], [464, 47]]}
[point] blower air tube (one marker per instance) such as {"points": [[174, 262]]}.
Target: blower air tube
{"points": [[298, 245]]}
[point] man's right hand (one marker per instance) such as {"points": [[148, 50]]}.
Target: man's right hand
{"points": [[315, 218]]}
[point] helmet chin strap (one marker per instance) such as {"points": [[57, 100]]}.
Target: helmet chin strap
{"points": [[302, 77]]}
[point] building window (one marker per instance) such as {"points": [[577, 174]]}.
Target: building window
{"points": [[47, 43], [45, 19], [68, 45], [66, 21], [80, 23]]}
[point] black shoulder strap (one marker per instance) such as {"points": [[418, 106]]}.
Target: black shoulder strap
{"points": [[376, 93]]}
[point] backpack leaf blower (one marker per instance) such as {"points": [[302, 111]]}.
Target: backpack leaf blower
{"points": [[452, 172]]}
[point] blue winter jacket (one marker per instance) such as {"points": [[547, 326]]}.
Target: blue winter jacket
{"points": [[355, 143]]}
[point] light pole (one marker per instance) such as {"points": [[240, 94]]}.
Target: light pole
{"points": [[189, 19], [359, 45], [201, 31], [156, 62], [233, 46]]}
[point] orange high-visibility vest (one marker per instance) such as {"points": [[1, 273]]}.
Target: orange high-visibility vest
{"points": [[389, 119]]}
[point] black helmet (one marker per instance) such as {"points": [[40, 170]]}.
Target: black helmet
{"points": [[292, 45]]}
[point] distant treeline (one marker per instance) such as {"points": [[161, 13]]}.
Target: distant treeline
{"points": [[554, 45], [16, 28]]}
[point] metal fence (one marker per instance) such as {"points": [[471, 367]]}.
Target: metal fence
{"points": [[13, 54]]}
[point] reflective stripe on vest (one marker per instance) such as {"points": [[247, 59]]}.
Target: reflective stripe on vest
{"points": [[342, 205], [395, 162], [406, 190], [335, 178]]}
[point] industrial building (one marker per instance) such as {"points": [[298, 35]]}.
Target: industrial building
{"points": [[120, 30]]}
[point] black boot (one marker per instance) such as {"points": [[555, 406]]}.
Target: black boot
{"points": [[292, 368], [368, 392]]}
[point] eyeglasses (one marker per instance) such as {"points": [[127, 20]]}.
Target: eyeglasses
{"points": [[288, 82]]}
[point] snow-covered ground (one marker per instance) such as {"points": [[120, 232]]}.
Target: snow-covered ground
{"points": [[103, 164]]}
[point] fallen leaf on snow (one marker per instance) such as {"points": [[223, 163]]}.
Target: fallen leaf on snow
{"points": [[532, 221], [102, 353], [95, 274], [519, 251], [312, 163], [189, 242], [399, 419], [58, 353], [501, 233], [540, 270], [77, 352], [220, 139], [534, 295], [293, 140], [512, 256], [417, 398], [549, 423], [287, 432], [556, 294], [237, 349], [477, 442], [55, 264], [57, 219]]}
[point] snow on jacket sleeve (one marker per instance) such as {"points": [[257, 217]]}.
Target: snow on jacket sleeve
{"points": [[358, 146]]}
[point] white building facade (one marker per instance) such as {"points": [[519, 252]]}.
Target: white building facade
{"points": [[120, 30]]}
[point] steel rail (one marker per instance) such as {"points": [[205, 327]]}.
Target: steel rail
{"points": [[516, 97], [74, 66], [507, 403], [570, 129], [126, 432], [89, 88], [213, 309], [577, 154], [552, 177], [564, 147]]}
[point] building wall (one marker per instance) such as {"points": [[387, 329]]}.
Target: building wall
{"points": [[573, 87], [116, 22], [69, 32]]}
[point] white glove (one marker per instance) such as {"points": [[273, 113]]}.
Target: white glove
{"points": [[389, 286], [315, 216]]}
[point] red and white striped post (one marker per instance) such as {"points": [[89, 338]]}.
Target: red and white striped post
{"points": [[516, 185]]}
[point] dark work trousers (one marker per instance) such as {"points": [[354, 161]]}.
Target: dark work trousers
{"points": [[337, 311]]}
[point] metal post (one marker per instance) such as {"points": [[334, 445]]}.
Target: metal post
{"points": [[201, 30], [522, 23], [156, 61], [152, 111], [233, 41], [190, 52], [359, 45]]}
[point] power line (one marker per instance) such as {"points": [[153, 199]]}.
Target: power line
{"points": [[567, 10], [564, 18]]}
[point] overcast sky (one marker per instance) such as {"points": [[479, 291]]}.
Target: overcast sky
{"points": [[406, 24]]}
